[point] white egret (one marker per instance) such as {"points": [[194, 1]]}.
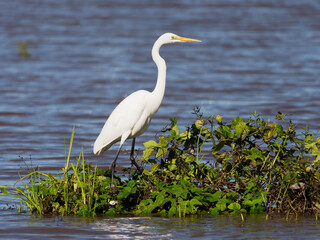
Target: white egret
{"points": [[132, 116]]}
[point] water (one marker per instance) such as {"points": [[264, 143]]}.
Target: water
{"points": [[87, 56], [201, 227]]}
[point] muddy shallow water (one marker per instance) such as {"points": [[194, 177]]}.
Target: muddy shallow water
{"points": [[85, 57]]}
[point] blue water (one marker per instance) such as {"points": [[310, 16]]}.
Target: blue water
{"points": [[20, 226], [86, 56]]}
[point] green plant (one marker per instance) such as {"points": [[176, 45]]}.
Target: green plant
{"points": [[23, 49], [212, 167], [255, 164]]}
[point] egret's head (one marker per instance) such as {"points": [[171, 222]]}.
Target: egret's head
{"points": [[173, 38]]}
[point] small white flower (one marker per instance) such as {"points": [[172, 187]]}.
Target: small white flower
{"points": [[113, 202]]}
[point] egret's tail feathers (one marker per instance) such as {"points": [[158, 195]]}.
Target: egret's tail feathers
{"points": [[100, 147]]}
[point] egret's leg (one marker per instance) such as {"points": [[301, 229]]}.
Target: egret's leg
{"points": [[132, 149], [135, 163], [113, 165], [132, 157]]}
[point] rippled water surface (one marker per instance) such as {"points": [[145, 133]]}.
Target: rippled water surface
{"points": [[86, 56], [205, 227]]}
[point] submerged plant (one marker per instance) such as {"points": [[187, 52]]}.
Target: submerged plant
{"points": [[23, 49], [244, 167]]}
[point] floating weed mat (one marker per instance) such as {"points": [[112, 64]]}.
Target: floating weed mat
{"points": [[212, 167]]}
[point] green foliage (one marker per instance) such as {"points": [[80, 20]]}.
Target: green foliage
{"points": [[23, 49], [244, 167]]}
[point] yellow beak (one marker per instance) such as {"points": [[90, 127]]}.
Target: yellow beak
{"points": [[183, 39]]}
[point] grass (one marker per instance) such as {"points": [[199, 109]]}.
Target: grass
{"points": [[212, 167]]}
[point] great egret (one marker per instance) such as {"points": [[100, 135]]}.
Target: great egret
{"points": [[132, 116]]}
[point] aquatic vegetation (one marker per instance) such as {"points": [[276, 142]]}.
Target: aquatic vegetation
{"points": [[212, 167], [23, 49]]}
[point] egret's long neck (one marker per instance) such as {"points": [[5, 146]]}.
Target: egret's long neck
{"points": [[159, 90]]}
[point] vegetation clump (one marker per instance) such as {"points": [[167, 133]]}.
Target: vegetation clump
{"points": [[23, 49], [212, 167]]}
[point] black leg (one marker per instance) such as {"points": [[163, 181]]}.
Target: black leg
{"points": [[132, 157], [113, 166], [135, 163], [132, 148]]}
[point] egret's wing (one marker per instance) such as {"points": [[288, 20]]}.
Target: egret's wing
{"points": [[121, 120]]}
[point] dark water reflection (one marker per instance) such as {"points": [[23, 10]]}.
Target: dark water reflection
{"points": [[87, 56]]}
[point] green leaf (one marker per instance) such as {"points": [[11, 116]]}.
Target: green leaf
{"points": [[221, 206], [190, 158], [226, 132], [286, 177], [147, 153], [257, 201], [236, 121], [234, 206], [309, 141], [195, 201], [161, 152], [111, 212], [213, 197], [199, 123], [255, 154], [150, 144], [172, 211], [146, 172], [163, 142], [215, 211], [172, 167], [125, 192], [185, 135], [175, 130], [179, 191], [155, 167], [159, 200], [240, 129], [218, 118], [247, 202], [238, 125], [131, 183], [250, 185], [101, 178]]}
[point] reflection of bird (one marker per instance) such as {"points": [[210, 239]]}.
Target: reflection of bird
{"points": [[132, 116]]}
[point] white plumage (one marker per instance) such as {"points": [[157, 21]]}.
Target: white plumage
{"points": [[132, 116], [128, 120]]}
